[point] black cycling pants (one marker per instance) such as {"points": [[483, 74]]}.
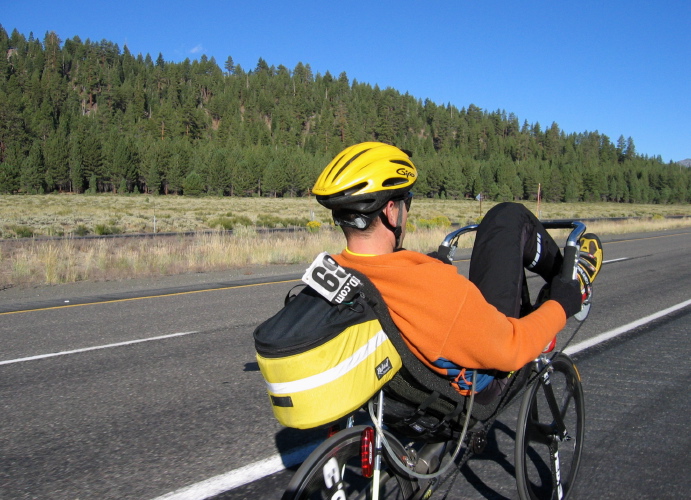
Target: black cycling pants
{"points": [[509, 240]]}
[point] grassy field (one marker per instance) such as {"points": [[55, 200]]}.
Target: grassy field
{"points": [[26, 259], [62, 215]]}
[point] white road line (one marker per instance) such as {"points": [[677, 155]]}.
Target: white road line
{"points": [[257, 470], [239, 477], [615, 260], [603, 337], [95, 348]]}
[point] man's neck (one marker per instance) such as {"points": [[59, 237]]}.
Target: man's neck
{"points": [[378, 240], [369, 246]]}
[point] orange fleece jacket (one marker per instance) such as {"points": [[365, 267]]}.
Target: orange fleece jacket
{"points": [[441, 314]]}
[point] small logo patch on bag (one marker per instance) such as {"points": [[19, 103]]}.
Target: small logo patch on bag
{"points": [[383, 368]]}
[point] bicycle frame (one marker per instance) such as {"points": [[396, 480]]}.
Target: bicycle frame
{"points": [[381, 442], [549, 435]]}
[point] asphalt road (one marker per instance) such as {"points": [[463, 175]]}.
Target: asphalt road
{"points": [[140, 392]]}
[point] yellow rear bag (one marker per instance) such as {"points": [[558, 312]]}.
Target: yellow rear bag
{"points": [[330, 371]]}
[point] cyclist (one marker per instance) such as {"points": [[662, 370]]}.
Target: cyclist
{"points": [[452, 323]]}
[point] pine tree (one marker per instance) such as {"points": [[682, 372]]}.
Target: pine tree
{"points": [[218, 178], [152, 161], [57, 156], [554, 190], [193, 185], [9, 178], [125, 163], [76, 174], [172, 175], [229, 65]]}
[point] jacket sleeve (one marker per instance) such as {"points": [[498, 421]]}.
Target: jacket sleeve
{"points": [[482, 337]]}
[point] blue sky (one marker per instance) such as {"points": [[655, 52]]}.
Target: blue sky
{"points": [[618, 67]]}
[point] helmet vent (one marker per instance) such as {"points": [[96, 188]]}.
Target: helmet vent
{"points": [[403, 162], [393, 181], [352, 190], [351, 160]]}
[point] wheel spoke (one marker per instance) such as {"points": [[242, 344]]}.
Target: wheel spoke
{"points": [[566, 400]]}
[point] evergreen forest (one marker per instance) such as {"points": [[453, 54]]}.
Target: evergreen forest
{"points": [[87, 117]]}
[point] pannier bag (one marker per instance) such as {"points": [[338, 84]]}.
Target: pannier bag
{"points": [[323, 359]]}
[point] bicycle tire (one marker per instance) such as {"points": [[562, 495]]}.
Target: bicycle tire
{"points": [[540, 456], [309, 482]]}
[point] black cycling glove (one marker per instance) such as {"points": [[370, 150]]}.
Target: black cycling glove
{"points": [[567, 293]]}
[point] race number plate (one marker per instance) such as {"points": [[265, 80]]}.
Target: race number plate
{"points": [[333, 282]]}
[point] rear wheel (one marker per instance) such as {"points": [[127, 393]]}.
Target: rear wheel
{"points": [[548, 453], [334, 472]]}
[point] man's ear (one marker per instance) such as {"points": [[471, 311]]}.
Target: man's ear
{"points": [[390, 213]]}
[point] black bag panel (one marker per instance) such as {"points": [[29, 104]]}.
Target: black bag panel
{"points": [[306, 321]]}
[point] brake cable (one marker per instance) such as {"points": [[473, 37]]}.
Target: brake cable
{"points": [[405, 467]]}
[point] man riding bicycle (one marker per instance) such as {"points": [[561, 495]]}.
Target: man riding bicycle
{"points": [[452, 323]]}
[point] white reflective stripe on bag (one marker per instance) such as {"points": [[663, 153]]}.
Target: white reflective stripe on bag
{"points": [[333, 373]]}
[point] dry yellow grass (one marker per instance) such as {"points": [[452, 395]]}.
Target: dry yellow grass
{"points": [[56, 214], [69, 260], [32, 261]]}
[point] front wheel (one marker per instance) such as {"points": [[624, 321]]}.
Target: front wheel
{"points": [[333, 471], [549, 433]]}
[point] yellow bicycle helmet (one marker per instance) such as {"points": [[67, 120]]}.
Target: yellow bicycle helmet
{"points": [[363, 177]]}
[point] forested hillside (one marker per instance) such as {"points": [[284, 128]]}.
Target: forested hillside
{"points": [[82, 116]]}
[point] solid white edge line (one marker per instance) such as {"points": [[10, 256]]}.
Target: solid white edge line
{"points": [[581, 346], [615, 260], [257, 470], [239, 477], [95, 348]]}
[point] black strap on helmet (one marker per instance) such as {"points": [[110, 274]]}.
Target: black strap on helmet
{"points": [[356, 220], [397, 230], [364, 220]]}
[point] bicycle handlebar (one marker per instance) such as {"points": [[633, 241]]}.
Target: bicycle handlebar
{"points": [[447, 249]]}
